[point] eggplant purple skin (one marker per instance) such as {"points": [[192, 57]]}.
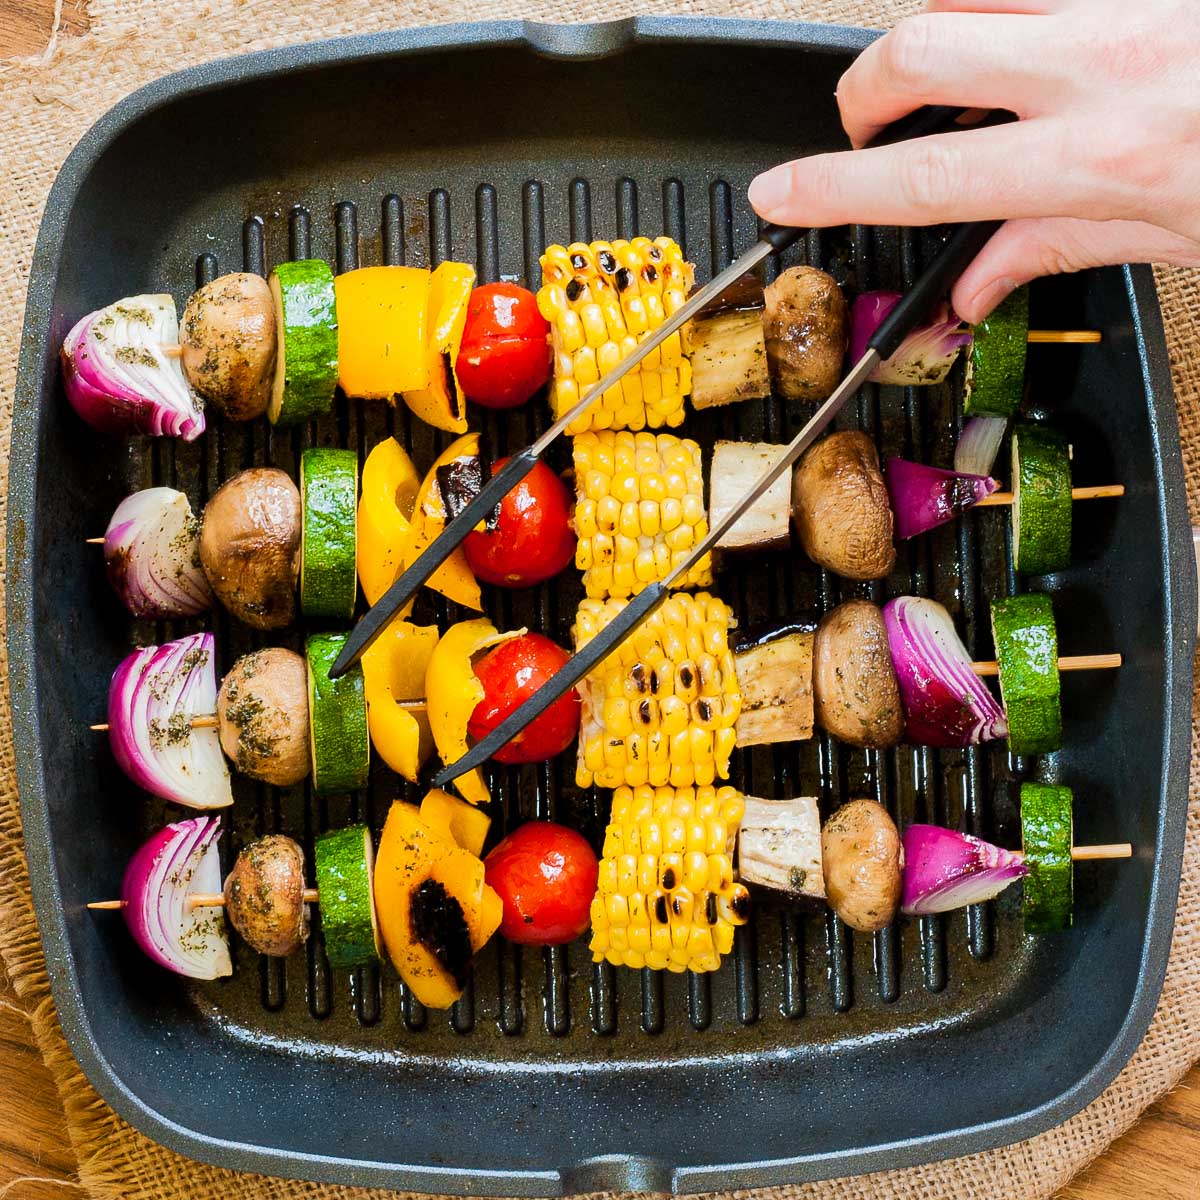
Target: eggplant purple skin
{"points": [[925, 497], [941, 865]]}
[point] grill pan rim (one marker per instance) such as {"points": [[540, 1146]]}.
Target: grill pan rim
{"points": [[584, 41]]}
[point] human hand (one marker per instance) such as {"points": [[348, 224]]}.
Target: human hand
{"points": [[1102, 167]]}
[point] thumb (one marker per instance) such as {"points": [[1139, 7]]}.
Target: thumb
{"points": [[1026, 249]]}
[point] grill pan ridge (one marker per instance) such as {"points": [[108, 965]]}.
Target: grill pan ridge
{"points": [[814, 1051]]}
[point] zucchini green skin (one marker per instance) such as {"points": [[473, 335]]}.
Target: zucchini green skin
{"points": [[306, 366], [337, 717], [1026, 641], [329, 539], [1047, 831], [345, 865], [995, 377], [1042, 504]]}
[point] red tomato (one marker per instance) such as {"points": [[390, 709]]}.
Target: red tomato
{"points": [[533, 539], [505, 352], [546, 876], [510, 674]]}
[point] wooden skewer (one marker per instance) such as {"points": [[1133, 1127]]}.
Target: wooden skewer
{"points": [[1062, 336], [196, 900], [1078, 662], [177, 351], [1102, 492], [212, 721], [1088, 853], [95, 541]]}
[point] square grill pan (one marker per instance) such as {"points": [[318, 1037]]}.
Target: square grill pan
{"points": [[813, 1052]]}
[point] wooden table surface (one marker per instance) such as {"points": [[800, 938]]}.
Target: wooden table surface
{"points": [[1159, 1159]]}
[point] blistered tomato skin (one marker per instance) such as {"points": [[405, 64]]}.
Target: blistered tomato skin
{"points": [[533, 539], [546, 876], [505, 354], [510, 674]]}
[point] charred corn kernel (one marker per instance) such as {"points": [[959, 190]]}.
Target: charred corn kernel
{"points": [[647, 489], [670, 870], [600, 299]]}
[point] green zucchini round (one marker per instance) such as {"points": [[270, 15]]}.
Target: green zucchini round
{"points": [[306, 363], [337, 717], [345, 867], [995, 378], [1041, 508], [1047, 833], [329, 538], [1026, 640]]}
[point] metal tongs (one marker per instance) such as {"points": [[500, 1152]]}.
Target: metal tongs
{"points": [[962, 246]]}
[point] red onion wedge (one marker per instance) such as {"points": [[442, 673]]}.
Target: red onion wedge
{"points": [[945, 870], [152, 553], [166, 870], [978, 445], [118, 378], [152, 699], [945, 703], [924, 497], [924, 357]]}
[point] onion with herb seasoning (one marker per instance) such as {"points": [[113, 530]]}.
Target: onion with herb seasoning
{"points": [[152, 555], [161, 876], [118, 376], [153, 699], [924, 357]]}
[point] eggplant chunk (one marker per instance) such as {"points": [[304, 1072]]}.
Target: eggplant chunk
{"points": [[727, 347], [854, 683], [806, 333], [779, 846], [840, 507], [736, 467], [862, 858], [264, 895], [775, 675]]}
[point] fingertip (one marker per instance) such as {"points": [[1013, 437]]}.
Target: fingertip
{"points": [[769, 192], [973, 302]]}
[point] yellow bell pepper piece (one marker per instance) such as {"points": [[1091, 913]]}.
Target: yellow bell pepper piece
{"points": [[442, 402], [465, 825], [452, 692], [394, 670], [453, 578], [385, 511], [382, 314], [412, 853]]}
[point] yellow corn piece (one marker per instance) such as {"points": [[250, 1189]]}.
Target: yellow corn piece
{"points": [[600, 299], [652, 711], [669, 910], [643, 494]]}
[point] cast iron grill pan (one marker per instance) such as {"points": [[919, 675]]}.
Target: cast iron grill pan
{"points": [[551, 1073]]}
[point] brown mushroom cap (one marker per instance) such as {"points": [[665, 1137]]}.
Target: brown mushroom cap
{"points": [[840, 507], [264, 895], [228, 340], [805, 325], [263, 712], [855, 693], [862, 859], [249, 546]]}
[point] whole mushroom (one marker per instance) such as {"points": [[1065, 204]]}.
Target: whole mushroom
{"points": [[862, 859], [262, 709], [264, 895], [806, 330]]}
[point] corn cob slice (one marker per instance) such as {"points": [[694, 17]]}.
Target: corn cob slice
{"points": [[662, 708], [639, 510], [666, 896], [600, 299]]}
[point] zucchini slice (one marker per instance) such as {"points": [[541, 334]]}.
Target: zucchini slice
{"points": [[1047, 833], [995, 376], [337, 717], [1041, 507], [345, 860], [1027, 650], [329, 537], [306, 361]]}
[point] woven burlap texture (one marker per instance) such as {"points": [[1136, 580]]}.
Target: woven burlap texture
{"points": [[45, 105]]}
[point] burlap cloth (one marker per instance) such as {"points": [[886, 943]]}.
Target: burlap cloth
{"points": [[45, 105]]}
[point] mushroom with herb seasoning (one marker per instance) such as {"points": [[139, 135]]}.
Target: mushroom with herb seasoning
{"points": [[264, 895], [806, 327], [263, 713], [862, 858]]}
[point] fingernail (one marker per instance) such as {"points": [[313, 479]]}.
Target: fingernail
{"points": [[769, 190], [987, 298]]}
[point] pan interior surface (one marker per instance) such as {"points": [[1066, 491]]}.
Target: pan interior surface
{"points": [[814, 1051]]}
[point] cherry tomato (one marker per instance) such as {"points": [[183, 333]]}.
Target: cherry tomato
{"points": [[505, 352], [546, 876], [510, 674], [533, 539]]}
